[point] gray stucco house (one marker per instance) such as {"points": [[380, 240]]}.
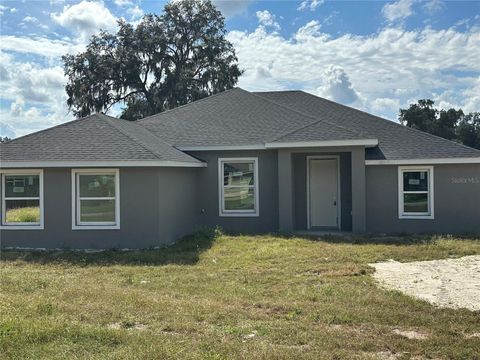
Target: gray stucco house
{"points": [[248, 162]]}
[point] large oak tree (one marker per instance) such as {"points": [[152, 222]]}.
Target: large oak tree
{"points": [[163, 62]]}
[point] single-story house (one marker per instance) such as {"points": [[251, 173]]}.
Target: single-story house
{"points": [[249, 162]]}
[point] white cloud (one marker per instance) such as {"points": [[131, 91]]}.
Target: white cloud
{"points": [[38, 46], [336, 86], [7, 130], [13, 10], [312, 28], [231, 8], [310, 4], [471, 97], [398, 10], [433, 6], [86, 18], [393, 63], [30, 19], [267, 19], [385, 105], [135, 12], [123, 3]]}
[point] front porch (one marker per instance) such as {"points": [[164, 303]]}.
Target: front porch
{"points": [[322, 190]]}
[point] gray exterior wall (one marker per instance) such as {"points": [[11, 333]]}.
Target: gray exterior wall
{"points": [[267, 221], [157, 206], [456, 201], [300, 192]]}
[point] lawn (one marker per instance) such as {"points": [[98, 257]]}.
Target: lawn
{"points": [[215, 296]]}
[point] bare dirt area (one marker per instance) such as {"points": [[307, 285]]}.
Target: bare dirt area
{"points": [[452, 283]]}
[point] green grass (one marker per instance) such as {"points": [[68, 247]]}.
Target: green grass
{"points": [[23, 215], [224, 297]]}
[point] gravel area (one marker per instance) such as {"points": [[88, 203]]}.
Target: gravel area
{"points": [[452, 283]]}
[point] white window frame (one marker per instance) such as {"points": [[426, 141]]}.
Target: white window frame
{"points": [[221, 188], [401, 213], [28, 225], [82, 225]]}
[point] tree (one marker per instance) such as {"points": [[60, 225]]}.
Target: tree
{"points": [[468, 130], [450, 124], [4, 139], [163, 62]]}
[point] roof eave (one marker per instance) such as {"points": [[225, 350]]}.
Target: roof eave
{"points": [[453, 160], [99, 163], [326, 143]]}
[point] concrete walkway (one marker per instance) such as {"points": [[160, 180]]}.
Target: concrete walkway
{"points": [[452, 283]]}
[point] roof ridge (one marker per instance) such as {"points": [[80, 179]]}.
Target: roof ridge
{"points": [[190, 103], [391, 122], [111, 121], [307, 115], [53, 127]]}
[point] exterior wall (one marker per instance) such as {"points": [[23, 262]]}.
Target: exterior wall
{"points": [[300, 190], [267, 221], [456, 201], [152, 211]]}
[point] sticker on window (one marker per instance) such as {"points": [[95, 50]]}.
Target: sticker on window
{"points": [[413, 181]]}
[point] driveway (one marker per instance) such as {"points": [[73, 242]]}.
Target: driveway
{"points": [[452, 283]]}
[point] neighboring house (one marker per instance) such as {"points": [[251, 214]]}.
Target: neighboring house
{"points": [[248, 162]]}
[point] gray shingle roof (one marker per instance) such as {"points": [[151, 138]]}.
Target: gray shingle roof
{"points": [[238, 117], [396, 141], [233, 118], [93, 138]]}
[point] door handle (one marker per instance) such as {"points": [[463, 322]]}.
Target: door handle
{"points": [[334, 202]]}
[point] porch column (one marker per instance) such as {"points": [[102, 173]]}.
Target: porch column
{"points": [[285, 191], [358, 191]]}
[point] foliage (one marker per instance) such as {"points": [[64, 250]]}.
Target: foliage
{"points": [[213, 296], [23, 215], [161, 63], [451, 124], [4, 139]]}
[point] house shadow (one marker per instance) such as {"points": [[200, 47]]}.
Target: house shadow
{"points": [[186, 251]]}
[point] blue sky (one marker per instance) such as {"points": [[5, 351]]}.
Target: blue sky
{"points": [[377, 56]]}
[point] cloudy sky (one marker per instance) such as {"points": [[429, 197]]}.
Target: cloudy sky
{"points": [[376, 56]]}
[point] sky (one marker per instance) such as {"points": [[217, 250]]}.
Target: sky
{"points": [[376, 56]]}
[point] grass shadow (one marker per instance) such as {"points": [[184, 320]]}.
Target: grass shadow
{"points": [[186, 251]]}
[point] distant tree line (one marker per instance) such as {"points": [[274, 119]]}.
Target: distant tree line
{"points": [[4, 139], [451, 124]]}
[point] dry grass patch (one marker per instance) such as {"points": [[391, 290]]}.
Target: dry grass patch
{"points": [[224, 297]]}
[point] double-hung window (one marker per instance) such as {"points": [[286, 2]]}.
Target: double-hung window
{"points": [[22, 199], [415, 192], [95, 199], [238, 186]]}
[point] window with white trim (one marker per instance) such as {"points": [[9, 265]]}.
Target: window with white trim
{"points": [[22, 199], [415, 191], [95, 199], [238, 186]]}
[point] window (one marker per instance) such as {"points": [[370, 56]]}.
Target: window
{"points": [[22, 199], [415, 191], [238, 186], [95, 199]]}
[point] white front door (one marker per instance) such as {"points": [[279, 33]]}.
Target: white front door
{"points": [[323, 192]]}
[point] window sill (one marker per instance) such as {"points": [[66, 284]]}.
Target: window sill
{"points": [[418, 217], [21, 227], [236, 214], [96, 227]]}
